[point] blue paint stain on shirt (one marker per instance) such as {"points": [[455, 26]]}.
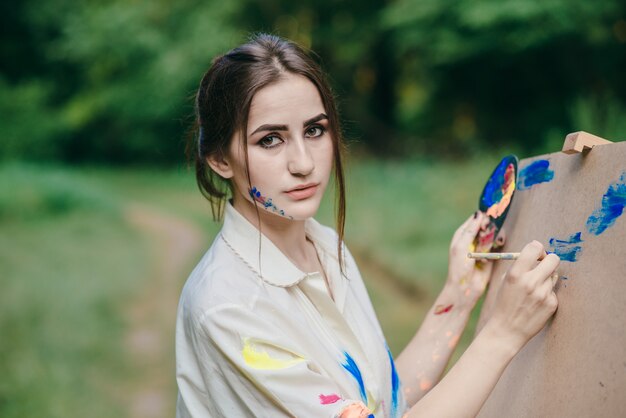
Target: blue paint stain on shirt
{"points": [[535, 173], [613, 203], [395, 385], [493, 188], [353, 369], [567, 249]]}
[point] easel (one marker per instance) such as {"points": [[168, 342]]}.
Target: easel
{"points": [[575, 366]]}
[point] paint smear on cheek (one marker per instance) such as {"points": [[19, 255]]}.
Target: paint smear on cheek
{"points": [[267, 203], [612, 207], [567, 249], [329, 399], [442, 309], [535, 173]]}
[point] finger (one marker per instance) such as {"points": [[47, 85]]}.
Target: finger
{"points": [[555, 278], [546, 268], [484, 272], [466, 232], [550, 297], [485, 222], [500, 239], [463, 228], [527, 260]]}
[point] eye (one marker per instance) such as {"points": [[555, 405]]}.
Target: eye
{"points": [[270, 141], [315, 131]]}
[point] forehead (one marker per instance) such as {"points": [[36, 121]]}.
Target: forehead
{"points": [[292, 99]]}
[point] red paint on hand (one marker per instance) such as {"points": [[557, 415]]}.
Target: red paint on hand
{"points": [[442, 309], [328, 399]]}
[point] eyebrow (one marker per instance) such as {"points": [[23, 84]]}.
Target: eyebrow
{"points": [[270, 127]]}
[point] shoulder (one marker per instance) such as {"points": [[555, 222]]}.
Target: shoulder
{"points": [[219, 279]]}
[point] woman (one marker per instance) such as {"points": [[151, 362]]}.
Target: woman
{"points": [[275, 319]]}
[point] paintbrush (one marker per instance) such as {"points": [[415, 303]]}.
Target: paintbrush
{"points": [[505, 256], [493, 256]]}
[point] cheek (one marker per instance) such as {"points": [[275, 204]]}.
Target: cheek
{"points": [[325, 156], [264, 174]]}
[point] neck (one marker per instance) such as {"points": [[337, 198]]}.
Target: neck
{"points": [[287, 235]]}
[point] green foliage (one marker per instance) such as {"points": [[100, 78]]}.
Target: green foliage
{"points": [[112, 81], [133, 68], [29, 192], [29, 127], [491, 71]]}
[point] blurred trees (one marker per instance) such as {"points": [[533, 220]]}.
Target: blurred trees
{"points": [[493, 70], [111, 81]]}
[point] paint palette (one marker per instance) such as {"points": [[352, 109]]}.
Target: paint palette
{"points": [[495, 201]]}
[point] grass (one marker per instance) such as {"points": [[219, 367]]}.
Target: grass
{"points": [[71, 264]]}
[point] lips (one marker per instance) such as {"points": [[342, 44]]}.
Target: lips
{"points": [[303, 191]]}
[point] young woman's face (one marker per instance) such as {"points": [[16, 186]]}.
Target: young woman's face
{"points": [[290, 151]]}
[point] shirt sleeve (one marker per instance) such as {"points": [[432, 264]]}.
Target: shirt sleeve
{"points": [[260, 361]]}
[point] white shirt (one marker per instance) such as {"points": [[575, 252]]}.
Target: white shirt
{"points": [[255, 336]]}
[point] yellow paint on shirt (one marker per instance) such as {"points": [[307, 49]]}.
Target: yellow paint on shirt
{"points": [[372, 405], [261, 360]]}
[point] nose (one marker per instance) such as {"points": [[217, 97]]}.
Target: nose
{"points": [[301, 161]]}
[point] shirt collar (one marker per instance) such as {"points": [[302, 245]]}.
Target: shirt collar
{"points": [[269, 262]]}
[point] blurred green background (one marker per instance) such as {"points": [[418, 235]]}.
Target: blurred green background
{"points": [[100, 219]]}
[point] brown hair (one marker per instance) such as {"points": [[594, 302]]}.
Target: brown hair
{"points": [[223, 103]]}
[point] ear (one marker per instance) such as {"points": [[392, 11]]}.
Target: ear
{"points": [[220, 165]]}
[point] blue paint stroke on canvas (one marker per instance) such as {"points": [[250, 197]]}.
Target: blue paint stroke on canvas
{"points": [[350, 366], [395, 385], [535, 173], [613, 203], [567, 249]]}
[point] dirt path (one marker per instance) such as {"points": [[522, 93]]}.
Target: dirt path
{"points": [[400, 306], [175, 243]]}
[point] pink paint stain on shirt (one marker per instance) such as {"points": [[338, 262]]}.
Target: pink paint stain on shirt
{"points": [[328, 399], [442, 309]]}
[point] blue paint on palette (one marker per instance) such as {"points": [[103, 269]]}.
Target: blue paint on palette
{"points": [[567, 249], [493, 189], [613, 203], [395, 385], [535, 173], [353, 369]]}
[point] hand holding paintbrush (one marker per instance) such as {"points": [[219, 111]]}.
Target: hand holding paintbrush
{"points": [[507, 256]]}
